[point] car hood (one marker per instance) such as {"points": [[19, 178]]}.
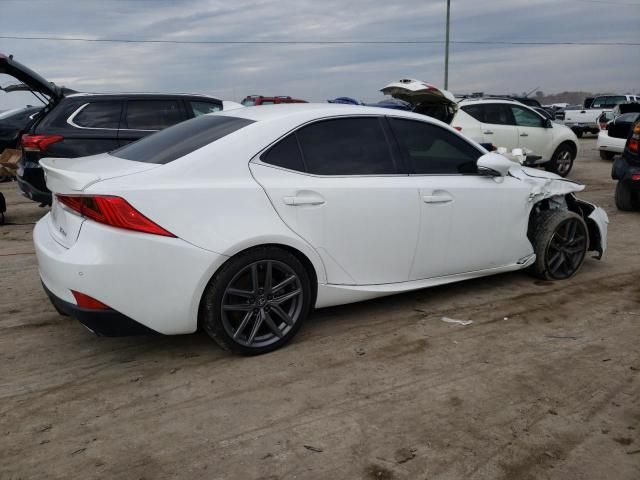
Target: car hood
{"points": [[417, 92], [28, 77], [544, 184]]}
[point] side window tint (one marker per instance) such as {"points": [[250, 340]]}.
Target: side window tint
{"points": [[202, 108], [475, 111], [153, 114], [99, 115], [348, 146], [526, 118], [285, 154], [430, 149], [496, 114]]}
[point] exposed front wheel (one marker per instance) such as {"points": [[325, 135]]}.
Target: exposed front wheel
{"points": [[257, 301], [560, 240], [627, 198], [561, 161]]}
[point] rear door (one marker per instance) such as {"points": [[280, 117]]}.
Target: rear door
{"points": [[497, 124], [142, 117], [338, 184], [94, 129]]}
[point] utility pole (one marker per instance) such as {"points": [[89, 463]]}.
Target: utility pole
{"points": [[446, 51]]}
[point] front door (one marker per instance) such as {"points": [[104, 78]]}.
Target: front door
{"points": [[469, 222], [532, 133], [337, 184]]}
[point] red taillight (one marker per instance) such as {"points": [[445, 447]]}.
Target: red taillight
{"points": [[635, 177], [39, 143], [85, 301], [632, 143], [603, 126], [113, 211], [458, 128]]}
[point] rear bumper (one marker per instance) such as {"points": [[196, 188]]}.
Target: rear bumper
{"points": [[104, 323], [610, 144], [32, 185], [154, 281]]}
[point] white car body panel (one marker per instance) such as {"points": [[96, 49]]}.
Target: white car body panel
{"points": [[610, 144], [372, 236]]}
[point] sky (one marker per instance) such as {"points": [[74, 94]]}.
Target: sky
{"points": [[320, 72]]}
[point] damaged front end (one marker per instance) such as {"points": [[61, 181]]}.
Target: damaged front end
{"points": [[549, 192]]}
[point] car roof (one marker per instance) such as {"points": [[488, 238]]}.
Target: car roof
{"points": [[316, 110], [125, 95]]}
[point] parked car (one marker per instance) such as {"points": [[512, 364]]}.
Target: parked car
{"points": [[13, 122], [255, 100], [81, 124], [544, 112], [626, 169], [346, 101], [304, 205], [503, 123], [612, 138], [585, 119]]}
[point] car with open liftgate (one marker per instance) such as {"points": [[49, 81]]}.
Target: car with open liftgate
{"points": [[241, 222]]}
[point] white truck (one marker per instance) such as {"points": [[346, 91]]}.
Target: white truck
{"points": [[586, 119]]}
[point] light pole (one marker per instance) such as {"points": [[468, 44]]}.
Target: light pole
{"points": [[446, 49]]}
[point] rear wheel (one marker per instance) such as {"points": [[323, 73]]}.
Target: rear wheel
{"points": [[627, 198], [257, 302], [604, 155], [562, 160], [560, 240]]}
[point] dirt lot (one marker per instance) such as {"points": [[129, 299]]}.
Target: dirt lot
{"points": [[545, 384]]}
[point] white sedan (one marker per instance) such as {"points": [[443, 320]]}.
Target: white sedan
{"points": [[241, 222]]}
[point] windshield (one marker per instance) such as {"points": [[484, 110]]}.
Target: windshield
{"points": [[9, 113], [609, 101], [174, 142]]}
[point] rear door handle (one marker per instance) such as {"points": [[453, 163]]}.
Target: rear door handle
{"points": [[437, 198], [304, 199], [524, 134], [488, 132]]}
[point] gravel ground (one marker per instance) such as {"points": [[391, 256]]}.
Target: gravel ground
{"points": [[543, 385]]}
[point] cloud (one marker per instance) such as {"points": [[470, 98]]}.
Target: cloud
{"points": [[318, 72]]}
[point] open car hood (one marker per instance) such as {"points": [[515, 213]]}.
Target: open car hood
{"points": [[28, 77], [417, 92]]}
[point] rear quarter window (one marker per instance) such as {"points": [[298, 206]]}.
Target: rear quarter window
{"points": [[177, 141], [98, 115]]}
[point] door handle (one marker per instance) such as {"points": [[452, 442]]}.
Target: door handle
{"points": [[488, 132], [524, 134], [303, 199], [437, 198]]}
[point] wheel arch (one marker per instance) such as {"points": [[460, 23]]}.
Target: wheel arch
{"points": [[571, 144]]}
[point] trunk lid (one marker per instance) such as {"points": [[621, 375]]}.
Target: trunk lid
{"points": [[28, 77], [73, 176], [425, 98]]}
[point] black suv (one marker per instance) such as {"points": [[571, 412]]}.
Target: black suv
{"points": [[626, 169], [80, 124]]}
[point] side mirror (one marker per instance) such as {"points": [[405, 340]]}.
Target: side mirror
{"points": [[548, 123], [494, 164]]}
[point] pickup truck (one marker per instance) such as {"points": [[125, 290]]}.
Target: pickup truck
{"points": [[586, 119]]}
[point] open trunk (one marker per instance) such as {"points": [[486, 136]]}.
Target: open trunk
{"points": [[425, 98]]}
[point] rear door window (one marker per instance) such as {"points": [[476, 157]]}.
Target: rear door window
{"points": [[153, 114], [346, 146], [177, 141], [431, 150], [98, 115], [202, 108]]}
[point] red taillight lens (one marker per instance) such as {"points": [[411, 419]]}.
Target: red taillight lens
{"points": [[603, 126], [113, 211], [85, 301], [39, 143], [633, 145], [635, 177]]}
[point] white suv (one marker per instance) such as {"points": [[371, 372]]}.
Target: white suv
{"points": [[499, 122]]}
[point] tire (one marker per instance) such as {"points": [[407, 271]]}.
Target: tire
{"points": [[560, 240], [562, 160], [578, 133], [239, 301], [626, 197], [604, 155]]}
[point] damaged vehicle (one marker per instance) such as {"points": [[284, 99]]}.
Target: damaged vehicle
{"points": [[241, 222], [501, 122]]}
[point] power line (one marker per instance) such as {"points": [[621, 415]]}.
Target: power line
{"points": [[310, 42]]}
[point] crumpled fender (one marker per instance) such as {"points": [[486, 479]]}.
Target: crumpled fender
{"points": [[544, 184]]}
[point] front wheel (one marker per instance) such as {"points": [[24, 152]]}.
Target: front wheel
{"points": [[257, 301], [562, 160], [560, 240]]}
